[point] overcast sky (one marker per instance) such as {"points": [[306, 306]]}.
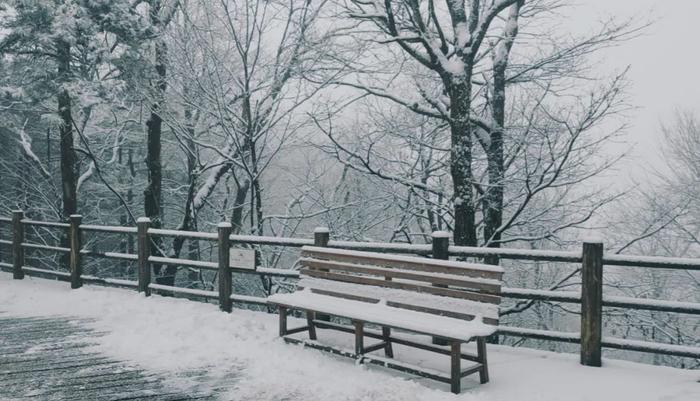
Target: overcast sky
{"points": [[665, 66]]}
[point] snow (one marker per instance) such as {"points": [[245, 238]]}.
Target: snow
{"points": [[175, 335], [386, 315], [505, 253], [441, 234], [636, 344], [109, 229], [26, 143], [593, 238], [641, 261], [181, 290], [321, 230], [262, 240], [86, 175], [184, 262], [385, 246], [527, 293], [186, 234], [647, 302], [462, 34]]}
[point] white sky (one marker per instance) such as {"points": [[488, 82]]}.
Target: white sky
{"points": [[665, 67]]}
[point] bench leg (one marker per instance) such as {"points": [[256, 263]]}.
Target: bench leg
{"points": [[386, 336], [359, 338], [456, 367], [481, 354], [283, 320], [310, 315]]}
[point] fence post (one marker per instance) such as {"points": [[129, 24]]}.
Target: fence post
{"points": [[144, 252], [76, 269], [17, 240], [591, 302], [441, 245], [225, 274], [322, 236]]}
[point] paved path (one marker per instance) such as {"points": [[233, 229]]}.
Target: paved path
{"points": [[53, 359]]}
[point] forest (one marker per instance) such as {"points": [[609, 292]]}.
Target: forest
{"points": [[380, 120]]}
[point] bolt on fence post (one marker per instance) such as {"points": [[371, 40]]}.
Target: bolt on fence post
{"points": [[591, 302], [76, 268], [17, 240], [322, 236], [441, 245], [225, 274], [144, 252]]}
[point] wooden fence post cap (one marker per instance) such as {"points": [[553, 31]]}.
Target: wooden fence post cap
{"points": [[224, 224], [321, 230], [143, 220], [440, 234]]}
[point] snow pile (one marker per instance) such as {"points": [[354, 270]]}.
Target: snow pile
{"points": [[241, 351]]}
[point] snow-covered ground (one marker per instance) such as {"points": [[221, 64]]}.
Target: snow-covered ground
{"points": [[175, 335]]}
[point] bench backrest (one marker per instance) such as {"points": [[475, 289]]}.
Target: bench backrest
{"points": [[456, 289]]}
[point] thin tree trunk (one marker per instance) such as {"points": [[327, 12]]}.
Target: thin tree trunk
{"points": [[238, 205], [153, 193], [493, 199], [461, 162], [69, 174]]}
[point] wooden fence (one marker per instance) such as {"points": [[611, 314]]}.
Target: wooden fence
{"points": [[591, 259]]}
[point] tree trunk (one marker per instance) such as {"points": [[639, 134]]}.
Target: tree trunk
{"points": [[461, 162], [238, 205], [69, 175], [493, 198], [153, 193]]}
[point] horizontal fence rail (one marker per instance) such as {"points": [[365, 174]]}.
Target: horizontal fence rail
{"points": [[591, 297]]}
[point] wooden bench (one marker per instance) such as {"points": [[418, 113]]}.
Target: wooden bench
{"points": [[453, 302]]}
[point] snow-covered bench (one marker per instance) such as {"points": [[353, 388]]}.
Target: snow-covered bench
{"points": [[453, 302]]}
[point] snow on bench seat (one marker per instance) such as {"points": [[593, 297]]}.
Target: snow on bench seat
{"points": [[391, 295], [381, 314]]}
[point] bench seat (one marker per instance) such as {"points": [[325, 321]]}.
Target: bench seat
{"points": [[383, 315], [405, 299]]}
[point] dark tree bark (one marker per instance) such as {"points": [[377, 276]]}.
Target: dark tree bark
{"points": [[189, 220], [461, 162], [238, 205], [69, 174], [153, 195], [493, 197]]}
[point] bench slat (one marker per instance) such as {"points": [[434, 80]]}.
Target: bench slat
{"points": [[446, 292], [444, 306], [405, 262], [484, 285], [400, 305]]}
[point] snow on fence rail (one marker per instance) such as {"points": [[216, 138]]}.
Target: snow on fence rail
{"points": [[590, 297]]}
